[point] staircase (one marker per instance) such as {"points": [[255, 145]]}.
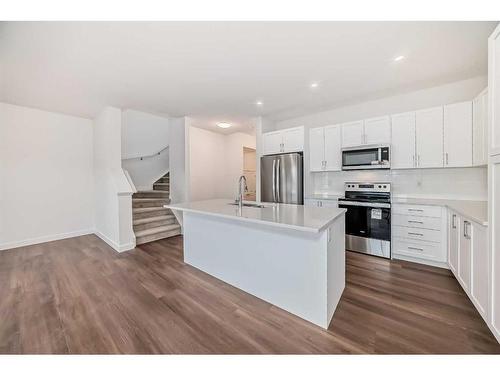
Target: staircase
{"points": [[151, 220]]}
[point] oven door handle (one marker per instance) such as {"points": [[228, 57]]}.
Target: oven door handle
{"points": [[364, 204]]}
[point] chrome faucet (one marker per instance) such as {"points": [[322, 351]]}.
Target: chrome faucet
{"points": [[240, 192]]}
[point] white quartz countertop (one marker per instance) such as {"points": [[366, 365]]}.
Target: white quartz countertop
{"points": [[290, 216], [473, 210]]}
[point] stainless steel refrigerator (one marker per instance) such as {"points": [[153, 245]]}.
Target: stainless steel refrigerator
{"points": [[282, 178]]}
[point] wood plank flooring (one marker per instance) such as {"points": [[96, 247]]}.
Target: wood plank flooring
{"points": [[80, 296]]}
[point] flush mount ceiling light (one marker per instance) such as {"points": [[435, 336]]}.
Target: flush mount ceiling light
{"points": [[399, 58], [314, 85], [224, 125], [259, 103]]}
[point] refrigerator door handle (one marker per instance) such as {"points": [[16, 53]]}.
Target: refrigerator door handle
{"points": [[278, 185], [274, 180]]}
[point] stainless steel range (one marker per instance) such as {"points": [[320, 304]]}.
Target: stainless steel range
{"points": [[368, 217]]}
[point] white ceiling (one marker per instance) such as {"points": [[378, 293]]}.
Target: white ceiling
{"points": [[218, 70]]}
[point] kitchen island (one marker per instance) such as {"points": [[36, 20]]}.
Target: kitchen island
{"points": [[291, 256]]}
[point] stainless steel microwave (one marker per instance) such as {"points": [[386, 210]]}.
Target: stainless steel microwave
{"points": [[366, 157]]}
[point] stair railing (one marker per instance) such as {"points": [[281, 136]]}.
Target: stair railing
{"points": [[148, 156]]}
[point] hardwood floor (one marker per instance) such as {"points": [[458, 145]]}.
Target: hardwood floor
{"points": [[80, 296]]}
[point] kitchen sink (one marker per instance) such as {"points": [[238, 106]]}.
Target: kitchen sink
{"points": [[254, 205]]}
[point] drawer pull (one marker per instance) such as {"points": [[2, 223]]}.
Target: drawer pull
{"points": [[416, 222], [415, 248], [415, 234], [415, 209]]}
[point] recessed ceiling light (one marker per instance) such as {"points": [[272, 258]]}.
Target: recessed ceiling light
{"points": [[259, 103], [314, 85], [224, 125], [399, 58]]}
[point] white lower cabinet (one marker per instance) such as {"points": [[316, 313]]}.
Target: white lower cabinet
{"points": [[453, 240], [321, 202], [419, 234], [468, 259]]}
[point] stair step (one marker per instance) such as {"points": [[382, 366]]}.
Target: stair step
{"points": [[163, 180], [161, 186], [151, 194], [142, 213], [157, 233], [149, 202], [153, 222]]}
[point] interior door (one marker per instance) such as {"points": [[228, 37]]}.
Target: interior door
{"points": [[333, 148], [458, 135], [403, 141], [429, 130], [289, 177], [352, 134], [272, 142], [316, 149], [378, 130]]}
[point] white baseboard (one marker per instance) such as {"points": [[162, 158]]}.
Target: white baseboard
{"points": [[421, 261], [113, 244], [49, 238]]}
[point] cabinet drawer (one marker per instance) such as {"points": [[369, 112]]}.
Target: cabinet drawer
{"points": [[425, 250], [418, 234], [411, 221], [417, 210]]}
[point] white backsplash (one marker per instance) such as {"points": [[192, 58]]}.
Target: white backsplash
{"points": [[454, 183]]}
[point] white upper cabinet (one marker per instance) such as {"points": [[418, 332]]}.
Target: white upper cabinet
{"points": [[377, 130], [272, 142], [333, 148], [429, 139], [288, 140], [367, 132], [458, 135], [316, 149], [480, 129], [325, 149], [353, 134], [293, 139], [403, 141]]}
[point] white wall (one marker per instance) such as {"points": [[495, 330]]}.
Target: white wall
{"points": [[144, 134], [46, 176], [113, 195], [215, 163], [472, 182], [177, 159]]}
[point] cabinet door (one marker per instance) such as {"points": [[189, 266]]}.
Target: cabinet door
{"points": [[480, 268], [272, 142], [378, 130], [403, 141], [429, 130], [480, 130], [333, 152], [453, 241], [293, 139], [458, 135], [464, 254], [353, 134], [316, 149]]}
